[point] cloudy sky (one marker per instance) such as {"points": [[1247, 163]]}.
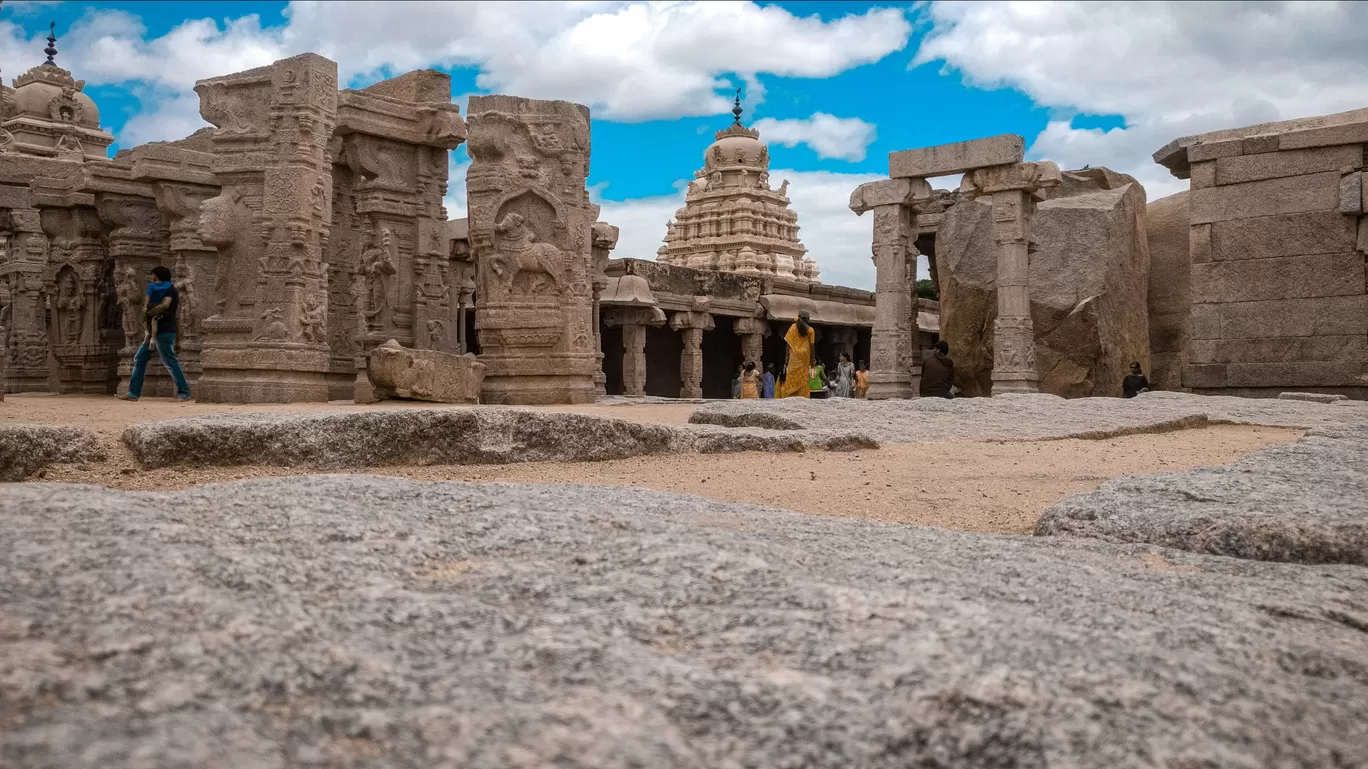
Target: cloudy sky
{"points": [[833, 87]]}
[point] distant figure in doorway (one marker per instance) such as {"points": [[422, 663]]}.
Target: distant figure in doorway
{"points": [[159, 310], [1135, 383], [845, 377], [768, 382], [794, 376], [862, 381], [750, 382], [938, 372], [736, 382]]}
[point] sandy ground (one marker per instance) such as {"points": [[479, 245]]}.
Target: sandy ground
{"points": [[977, 486]]}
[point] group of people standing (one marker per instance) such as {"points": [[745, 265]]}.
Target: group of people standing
{"points": [[847, 381]]}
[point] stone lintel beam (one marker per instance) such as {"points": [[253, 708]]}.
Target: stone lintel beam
{"points": [[889, 192], [957, 158], [428, 124], [161, 162], [1025, 177]]}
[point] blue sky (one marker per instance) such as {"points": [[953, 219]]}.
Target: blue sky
{"points": [[833, 86]]}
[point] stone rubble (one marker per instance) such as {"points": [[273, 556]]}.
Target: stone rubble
{"points": [[366, 622], [443, 436], [396, 371], [27, 449]]}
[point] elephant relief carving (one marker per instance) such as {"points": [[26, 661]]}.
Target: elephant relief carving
{"points": [[517, 252]]}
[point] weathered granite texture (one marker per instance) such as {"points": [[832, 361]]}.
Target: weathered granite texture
{"points": [[1312, 397], [1024, 417], [426, 375], [1088, 274], [442, 436], [26, 449], [364, 622], [1169, 301], [1306, 502]]}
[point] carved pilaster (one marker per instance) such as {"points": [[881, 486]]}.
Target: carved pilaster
{"points": [[23, 273], [752, 332], [84, 333], [604, 240], [137, 236], [194, 270], [633, 321], [691, 326], [1012, 189]]}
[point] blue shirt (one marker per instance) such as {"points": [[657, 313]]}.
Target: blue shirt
{"points": [[768, 391], [156, 292]]}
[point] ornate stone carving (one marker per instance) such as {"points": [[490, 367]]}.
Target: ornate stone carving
{"points": [[71, 303], [312, 321], [131, 304], [378, 266]]}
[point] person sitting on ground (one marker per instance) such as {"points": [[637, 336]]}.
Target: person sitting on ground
{"points": [[1135, 383], [938, 372], [768, 381], [160, 308], [862, 381], [750, 381]]}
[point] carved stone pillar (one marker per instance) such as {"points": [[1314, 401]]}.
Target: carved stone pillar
{"points": [[691, 326], [530, 230], [1013, 189], [753, 332], [463, 290], [137, 243], [844, 339], [894, 359], [194, 268], [633, 321], [79, 297], [23, 274], [270, 223], [604, 240]]}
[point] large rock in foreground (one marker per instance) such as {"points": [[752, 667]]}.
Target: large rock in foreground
{"points": [[443, 437], [1089, 276], [396, 371], [364, 622], [26, 449], [1305, 502]]}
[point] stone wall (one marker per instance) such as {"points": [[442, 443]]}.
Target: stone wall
{"points": [[1276, 247], [1166, 221]]}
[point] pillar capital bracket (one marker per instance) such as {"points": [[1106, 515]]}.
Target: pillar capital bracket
{"points": [[889, 192], [1026, 177]]}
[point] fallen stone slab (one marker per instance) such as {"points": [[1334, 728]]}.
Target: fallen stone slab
{"points": [[26, 449], [396, 371], [1312, 397], [443, 436], [1022, 417], [1306, 502], [348, 621]]}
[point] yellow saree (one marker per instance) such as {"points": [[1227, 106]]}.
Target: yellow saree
{"points": [[795, 384]]}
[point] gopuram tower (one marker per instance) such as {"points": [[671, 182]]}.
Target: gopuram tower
{"points": [[731, 220]]}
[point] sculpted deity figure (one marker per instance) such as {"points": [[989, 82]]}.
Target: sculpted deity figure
{"points": [[436, 334], [518, 251], [70, 303], [377, 262], [189, 305], [312, 322], [6, 142], [130, 301], [275, 328]]}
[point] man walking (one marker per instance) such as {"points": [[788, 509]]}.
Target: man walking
{"points": [[159, 308]]}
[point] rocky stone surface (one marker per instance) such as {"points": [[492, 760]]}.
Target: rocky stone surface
{"points": [[1169, 300], [1023, 417], [366, 622], [1089, 274], [443, 436], [1312, 397], [427, 375], [26, 449], [1306, 502]]}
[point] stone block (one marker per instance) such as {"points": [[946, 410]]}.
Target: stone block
{"points": [[1273, 165], [1287, 195], [1351, 193], [1287, 277], [1311, 397], [426, 375], [889, 192], [957, 158], [1199, 242], [1336, 349], [1205, 321], [1204, 376], [1260, 144], [1326, 136], [1265, 237], [1323, 316], [1298, 374], [1204, 174], [1215, 149]]}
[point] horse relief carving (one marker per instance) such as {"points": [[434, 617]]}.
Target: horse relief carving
{"points": [[517, 253]]}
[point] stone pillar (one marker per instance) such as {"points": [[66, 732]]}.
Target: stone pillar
{"points": [[894, 359], [530, 231], [78, 299], [844, 339], [193, 269], [633, 321], [137, 243], [604, 240], [463, 290], [753, 332], [1012, 189], [23, 273], [270, 223], [691, 326]]}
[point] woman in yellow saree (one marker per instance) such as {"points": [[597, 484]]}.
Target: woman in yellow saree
{"points": [[793, 378]]}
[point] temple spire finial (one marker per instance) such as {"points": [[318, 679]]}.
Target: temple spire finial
{"points": [[51, 49], [736, 107]]}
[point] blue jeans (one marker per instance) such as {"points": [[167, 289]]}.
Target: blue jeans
{"points": [[166, 350]]}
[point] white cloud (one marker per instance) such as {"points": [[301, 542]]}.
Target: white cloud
{"points": [[838, 239], [1171, 68], [842, 138], [455, 200]]}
